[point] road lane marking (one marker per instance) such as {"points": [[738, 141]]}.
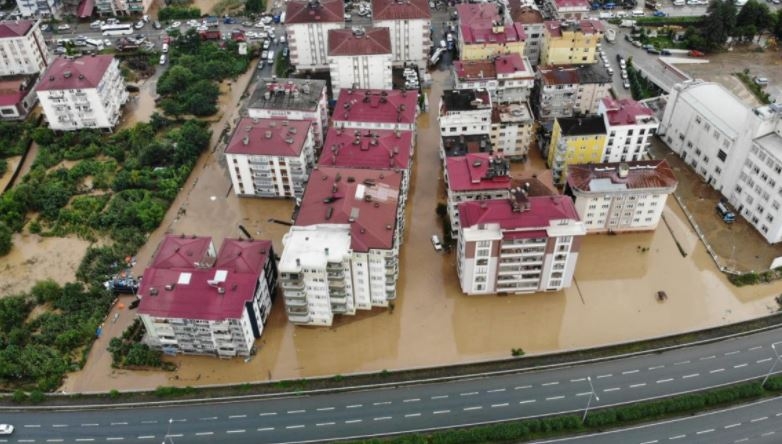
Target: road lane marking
{"points": [[554, 398], [734, 352], [325, 409], [355, 406], [762, 418], [55, 440], [297, 426], [760, 361], [504, 404], [177, 435], [778, 414], [612, 389], [677, 437], [495, 390], [549, 383], [650, 442], [412, 400], [718, 370], [730, 426], [767, 433], [440, 412], [382, 403], [681, 363], [527, 401], [84, 439], [119, 423], [656, 367], [440, 397], [522, 387], [630, 372], [691, 375], [706, 358], [265, 429], [32, 425], [757, 347], [90, 425], [323, 424], [740, 365], [468, 394], [477, 407], [149, 422], [205, 433], [238, 416], [412, 415], [59, 425], [584, 394], [663, 381], [741, 440], [352, 421], [608, 375], [702, 432], [382, 418], [643, 384], [268, 414], [578, 380], [114, 438], [146, 437], [292, 412]]}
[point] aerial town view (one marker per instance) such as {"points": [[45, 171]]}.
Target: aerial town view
{"points": [[412, 221]]}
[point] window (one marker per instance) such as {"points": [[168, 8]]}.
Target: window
{"points": [[722, 155]]}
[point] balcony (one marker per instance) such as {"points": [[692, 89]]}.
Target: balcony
{"points": [[293, 285], [295, 302], [299, 319], [336, 284]]}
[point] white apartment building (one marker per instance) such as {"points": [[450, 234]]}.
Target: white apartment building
{"points": [[512, 129], [629, 125], [568, 9], [342, 254], [508, 78], [531, 21], [270, 157], [292, 99], [386, 109], [122, 7], [409, 23], [570, 90], [40, 8], [465, 112], [731, 146], [82, 92], [359, 58], [196, 302], [620, 197], [22, 48], [307, 25], [523, 244]]}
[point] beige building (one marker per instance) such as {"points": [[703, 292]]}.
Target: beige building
{"points": [[567, 91], [512, 129], [408, 22], [484, 33], [532, 23], [568, 43], [307, 24], [359, 58]]}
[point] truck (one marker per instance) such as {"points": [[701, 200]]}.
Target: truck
{"points": [[725, 214], [627, 23]]}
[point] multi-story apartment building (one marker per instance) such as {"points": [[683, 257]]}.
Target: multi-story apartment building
{"points": [[342, 253], [523, 244], [292, 99], [373, 149], [40, 8], [465, 112], [454, 146], [307, 25], [568, 9], [484, 33], [376, 109], [472, 177], [270, 157], [618, 197], [194, 301], [409, 23], [360, 58], [512, 129], [575, 140], [568, 43], [532, 23], [508, 78], [22, 48], [82, 92], [15, 98], [733, 147], [566, 91], [630, 125], [120, 7]]}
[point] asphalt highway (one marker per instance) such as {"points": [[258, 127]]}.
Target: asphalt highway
{"points": [[414, 408], [759, 422]]}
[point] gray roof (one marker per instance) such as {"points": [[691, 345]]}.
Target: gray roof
{"points": [[287, 94], [715, 103]]}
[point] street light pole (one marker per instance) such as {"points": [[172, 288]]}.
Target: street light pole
{"points": [[771, 370], [167, 438], [589, 401]]}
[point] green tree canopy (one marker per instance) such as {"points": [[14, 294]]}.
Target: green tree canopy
{"points": [[719, 22]]}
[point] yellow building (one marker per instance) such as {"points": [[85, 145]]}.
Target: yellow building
{"points": [[575, 140], [483, 33], [568, 43]]}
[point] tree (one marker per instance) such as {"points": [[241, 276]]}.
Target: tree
{"points": [[254, 6], [719, 22], [754, 14], [5, 239], [778, 25]]}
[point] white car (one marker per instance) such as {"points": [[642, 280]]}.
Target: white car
{"points": [[139, 24], [436, 243], [6, 429], [63, 27], [176, 24], [162, 59], [106, 42]]}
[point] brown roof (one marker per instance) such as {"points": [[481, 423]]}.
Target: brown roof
{"points": [[78, 73], [314, 11], [400, 10], [371, 41], [559, 75], [640, 175], [525, 15]]}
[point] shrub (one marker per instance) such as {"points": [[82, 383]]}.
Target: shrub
{"points": [[37, 397], [19, 396], [178, 12]]}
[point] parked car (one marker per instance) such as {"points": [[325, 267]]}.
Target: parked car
{"points": [[653, 51], [139, 24], [760, 80], [695, 53], [64, 27], [229, 21], [157, 25], [164, 48], [162, 59], [436, 243], [45, 27], [176, 24], [96, 24], [285, 52], [626, 84], [267, 44], [6, 429], [106, 42], [659, 14], [60, 50]]}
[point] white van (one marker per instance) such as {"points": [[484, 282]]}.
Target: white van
{"points": [[678, 3], [638, 13], [270, 59]]}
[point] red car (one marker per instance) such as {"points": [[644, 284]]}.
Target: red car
{"points": [[695, 53]]}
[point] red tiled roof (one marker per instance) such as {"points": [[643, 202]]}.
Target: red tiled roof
{"points": [[541, 211], [580, 4], [487, 69], [85, 8], [625, 111], [469, 173], [588, 27], [469, 12], [641, 174], [400, 10], [314, 11], [190, 292], [78, 73], [9, 29], [511, 63], [388, 150], [180, 251], [364, 198], [375, 105], [269, 137], [371, 41], [482, 32]]}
